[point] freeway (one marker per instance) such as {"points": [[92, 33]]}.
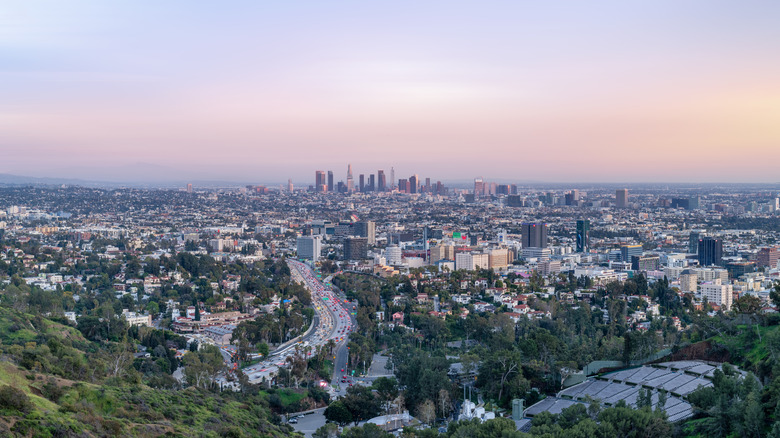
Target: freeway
{"points": [[332, 321]]}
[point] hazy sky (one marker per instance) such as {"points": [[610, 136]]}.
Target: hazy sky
{"points": [[553, 91]]}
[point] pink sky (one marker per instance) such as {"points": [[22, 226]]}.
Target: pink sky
{"points": [[579, 91]]}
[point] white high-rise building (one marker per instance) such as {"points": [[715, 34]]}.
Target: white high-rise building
{"points": [[718, 293], [310, 247], [471, 261], [393, 255]]}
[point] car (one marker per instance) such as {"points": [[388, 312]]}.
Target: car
{"points": [[343, 381], [293, 420]]}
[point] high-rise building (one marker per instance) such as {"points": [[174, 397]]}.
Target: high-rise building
{"points": [[310, 247], [371, 183], [362, 183], [572, 197], [365, 229], [498, 258], [330, 181], [718, 293], [393, 255], [350, 181], [534, 235], [693, 242], [319, 181], [355, 248], [414, 184], [628, 251], [471, 261], [479, 187], [392, 177], [688, 281], [189, 188], [381, 183], [710, 251], [645, 263], [767, 257], [289, 185], [621, 198], [403, 185], [583, 235]]}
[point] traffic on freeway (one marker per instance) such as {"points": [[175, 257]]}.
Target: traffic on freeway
{"points": [[332, 321]]}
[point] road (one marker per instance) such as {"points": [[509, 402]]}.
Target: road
{"points": [[331, 321]]}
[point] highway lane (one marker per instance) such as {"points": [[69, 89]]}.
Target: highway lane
{"points": [[332, 321]]}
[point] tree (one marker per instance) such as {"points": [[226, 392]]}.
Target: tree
{"points": [[263, 349], [387, 389], [202, 367], [644, 398], [661, 400], [445, 402], [753, 419], [426, 412], [338, 413], [747, 304], [361, 403], [368, 430], [328, 430]]}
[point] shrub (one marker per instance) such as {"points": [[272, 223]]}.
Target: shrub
{"points": [[14, 399]]}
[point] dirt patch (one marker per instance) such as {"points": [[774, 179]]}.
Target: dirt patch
{"points": [[704, 351]]}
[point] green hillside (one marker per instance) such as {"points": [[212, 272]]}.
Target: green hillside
{"points": [[53, 383]]}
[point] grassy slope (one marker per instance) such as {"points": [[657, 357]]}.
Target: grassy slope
{"points": [[86, 409]]}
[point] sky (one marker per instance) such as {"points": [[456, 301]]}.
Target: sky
{"points": [[597, 91]]}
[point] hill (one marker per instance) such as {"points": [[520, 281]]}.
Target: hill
{"points": [[53, 384]]}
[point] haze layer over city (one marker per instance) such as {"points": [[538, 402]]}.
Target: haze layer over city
{"points": [[378, 219]]}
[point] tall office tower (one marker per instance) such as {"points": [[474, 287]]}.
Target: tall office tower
{"points": [[382, 182], [189, 188], [693, 242], [414, 183], [427, 185], [355, 248], [403, 185], [628, 251], [621, 198], [310, 247], [479, 187], [767, 257], [319, 181], [583, 235], [534, 235], [710, 251], [392, 177], [371, 183], [350, 181], [330, 181], [289, 185], [572, 197], [366, 229], [362, 183], [513, 189]]}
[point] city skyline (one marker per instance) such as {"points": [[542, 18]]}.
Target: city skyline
{"points": [[614, 92]]}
